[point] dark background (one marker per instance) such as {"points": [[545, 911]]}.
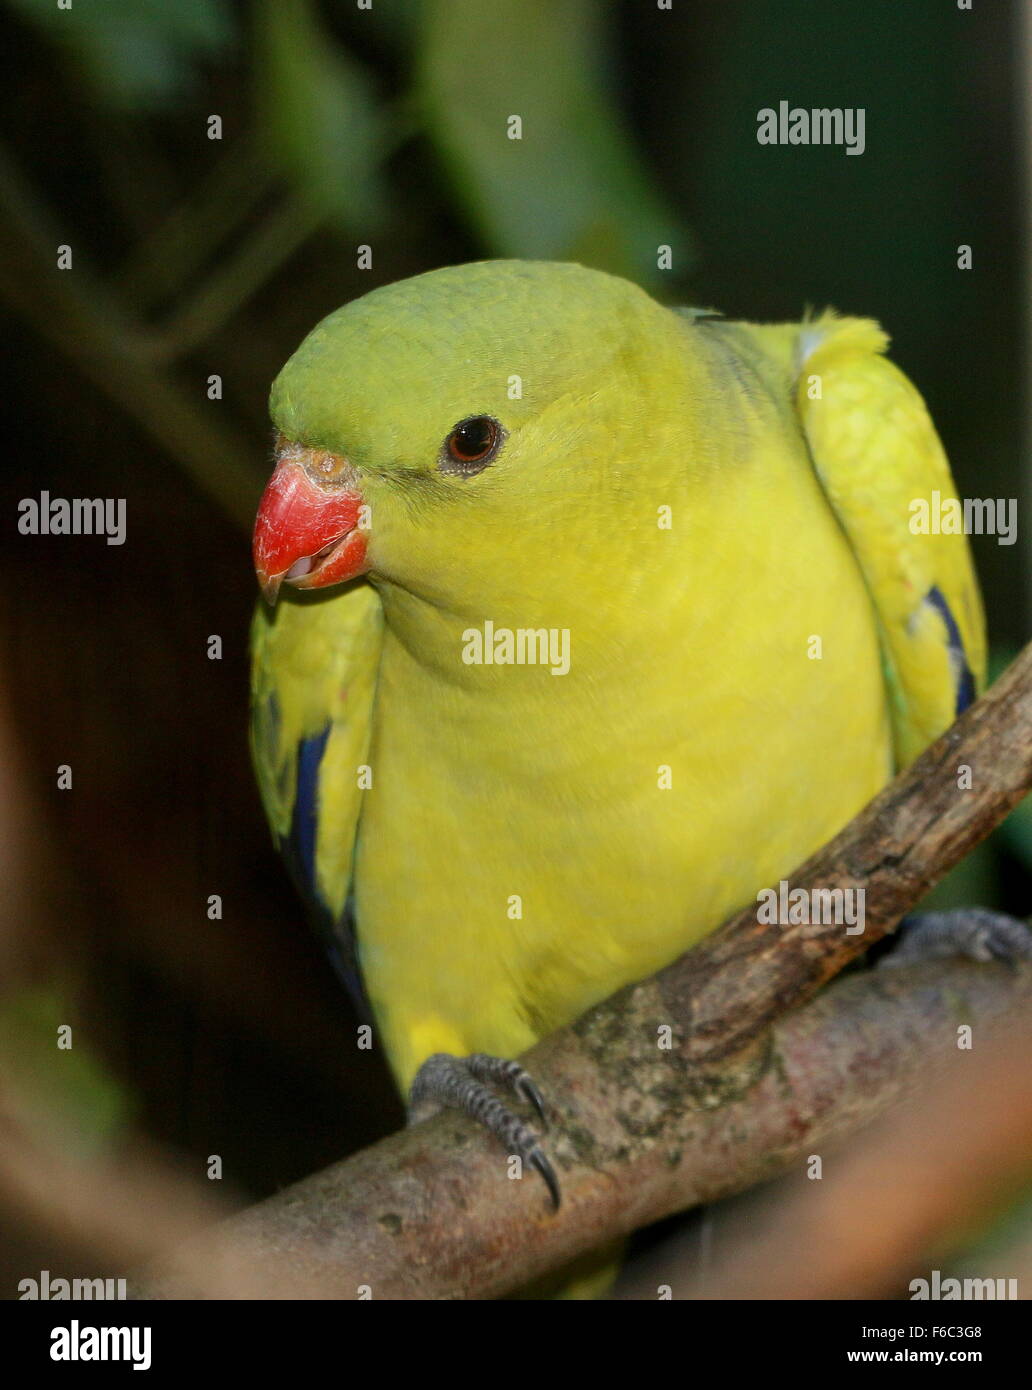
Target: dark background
{"points": [[195, 257]]}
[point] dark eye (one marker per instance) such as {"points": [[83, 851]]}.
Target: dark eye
{"points": [[472, 445]]}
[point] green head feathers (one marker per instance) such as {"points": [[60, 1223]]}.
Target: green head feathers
{"points": [[385, 378], [571, 382]]}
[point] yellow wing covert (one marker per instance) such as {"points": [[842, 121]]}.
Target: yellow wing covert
{"points": [[879, 460], [313, 684]]}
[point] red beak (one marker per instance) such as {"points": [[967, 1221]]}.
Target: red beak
{"points": [[306, 531]]}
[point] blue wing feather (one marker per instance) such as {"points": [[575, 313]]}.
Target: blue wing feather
{"points": [[315, 664], [304, 823], [963, 676]]}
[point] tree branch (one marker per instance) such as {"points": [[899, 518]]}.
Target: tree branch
{"points": [[958, 1156], [643, 1131]]}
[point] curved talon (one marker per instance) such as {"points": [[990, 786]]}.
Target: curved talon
{"points": [[541, 1162], [529, 1092]]}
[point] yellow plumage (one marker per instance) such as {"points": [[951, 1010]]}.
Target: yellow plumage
{"points": [[753, 646]]}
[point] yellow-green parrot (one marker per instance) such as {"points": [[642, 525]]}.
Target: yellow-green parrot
{"points": [[602, 616]]}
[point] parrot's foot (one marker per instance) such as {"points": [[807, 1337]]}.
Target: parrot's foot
{"points": [[972, 932], [463, 1083]]}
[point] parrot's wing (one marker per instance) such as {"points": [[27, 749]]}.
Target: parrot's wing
{"points": [[880, 462], [313, 684]]}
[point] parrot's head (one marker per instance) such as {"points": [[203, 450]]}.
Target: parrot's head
{"points": [[451, 432]]}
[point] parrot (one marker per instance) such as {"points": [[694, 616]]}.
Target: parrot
{"points": [[587, 618]]}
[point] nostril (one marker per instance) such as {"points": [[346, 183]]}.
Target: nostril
{"points": [[325, 469]]}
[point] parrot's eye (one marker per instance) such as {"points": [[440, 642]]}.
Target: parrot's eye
{"points": [[471, 446]]}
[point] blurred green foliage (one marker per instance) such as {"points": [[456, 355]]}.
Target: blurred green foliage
{"points": [[65, 1095], [316, 106], [138, 55], [572, 187]]}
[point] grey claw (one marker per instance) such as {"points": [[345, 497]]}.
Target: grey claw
{"points": [[541, 1162], [464, 1084]]}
